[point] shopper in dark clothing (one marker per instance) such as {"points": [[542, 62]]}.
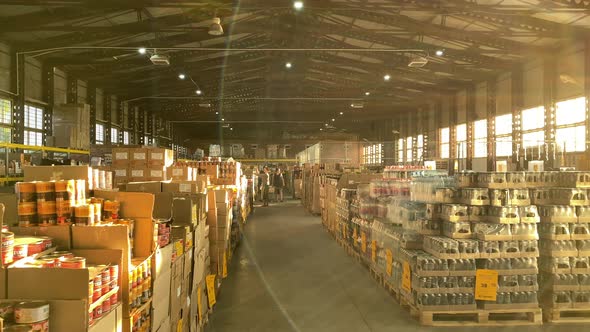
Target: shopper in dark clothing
{"points": [[279, 183]]}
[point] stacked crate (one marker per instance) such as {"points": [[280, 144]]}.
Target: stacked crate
{"points": [[565, 244]]}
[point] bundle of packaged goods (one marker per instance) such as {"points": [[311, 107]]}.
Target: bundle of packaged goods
{"points": [[219, 172], [141, 164], [95, 177]]}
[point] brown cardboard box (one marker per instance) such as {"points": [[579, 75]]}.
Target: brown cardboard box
{"points": [[138, 157], [219, 234], [157, 173], [165, 326], [121, 157], [212, 171], [50, 173], [185, 187], [66, 284], [163, 206], [180, 173], [138, 174], [183, 232], [61, 235], [221, 196], [184, 211], [199, 267], [188, 263], [10, 216], [160, 157], [121, 174], [162, 285], [223, 209], [145, 187], [176, 289]]}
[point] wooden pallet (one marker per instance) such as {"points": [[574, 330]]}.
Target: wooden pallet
{"points": [[567, 315], [508, 317], [392, 291], [376, 275]]}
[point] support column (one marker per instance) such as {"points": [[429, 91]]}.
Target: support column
{"points": [[150, 127], [49, 97], [437, 126], [132, 110], [141, 126], [420, 131], [470, 118], [491, 115], [18, 110], [517, 78], [453, 133], [549, 89], [72, 93], [91, 96], [107, 106], [121, 121], [587, 91]]}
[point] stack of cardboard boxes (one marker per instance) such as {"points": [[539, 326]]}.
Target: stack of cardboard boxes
{"points": [[219, 219], [141, 164], [71, 127]]}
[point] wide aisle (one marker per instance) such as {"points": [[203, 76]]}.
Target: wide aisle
{"points": [[290, 275]]}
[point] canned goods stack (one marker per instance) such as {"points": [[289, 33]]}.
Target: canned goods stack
{"points": [[25, 316], [24, 246], [26, 197], [65, 195], [163, 233], [140, 284], [111, 210], [141, 321], [7, 247], [106, 281], [46, 213]]}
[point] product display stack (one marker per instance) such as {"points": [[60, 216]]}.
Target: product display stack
{"points": [[219, 219], [565, 245], [140, 164]]}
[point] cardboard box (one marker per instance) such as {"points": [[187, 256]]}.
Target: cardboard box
{"points": [[138, 157], [185, 187], [165, 326], [10, 212], [66, 284], [199, 267], [217, 234], [163, 206], [212, 171], [183, 232], [145, 187], [160, 157], [121, 174], [161, 297], [157, 173], [162, 261], [221, 196], [188, 264], [50, 173], [200, 233], [200, 302], [138, 174], [223, 209], [61, 235], [184, 211], [176, 289], [120, 157], [180, 173]]}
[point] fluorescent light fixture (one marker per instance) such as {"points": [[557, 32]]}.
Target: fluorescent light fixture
{"points": [[181, 76], [216, 29], [199, 92], [216, 112], [341, 113], [440, 52], [367, 93], [223, 119], [321, 129], [231, 128], [387, 77], [298, 5], [333, 119], [288, 65], [142, 50]]}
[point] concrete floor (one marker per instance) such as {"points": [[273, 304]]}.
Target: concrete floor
{"points": [[288, 274]]}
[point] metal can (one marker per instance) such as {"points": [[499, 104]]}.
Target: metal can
{"points": [[25, 192], [98, 312], [47, 241], [91, 291], [45, 191], [96, 294], [7, 311], [73, 263], [113, 299], [114, 271], [36, 247], [106, 276], [64, 254], [47, 262], [106, 306], [21, 251], [91, 318], [31, 312]]}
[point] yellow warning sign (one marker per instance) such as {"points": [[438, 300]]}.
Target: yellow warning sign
{"points": [[364, 242], [407, 277], [388, 262], [486, 285], [374, 251], [210, 281]]}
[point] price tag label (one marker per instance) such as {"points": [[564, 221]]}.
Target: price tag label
{"points": [[374, 251], [210, 281], [486, 285], [388, 262], [364, 242], [407, 277]]}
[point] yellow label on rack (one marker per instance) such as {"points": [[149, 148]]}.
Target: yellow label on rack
{"points": [[363, 242], [389, 262], [354, 237], [199, 306], [179, 326], [224, 267], [486, 285], [374, 251], [178, 248], [210, 281], [407, 277]]}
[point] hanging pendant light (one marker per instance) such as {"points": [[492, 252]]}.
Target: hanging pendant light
{"points": [[216, 29]]}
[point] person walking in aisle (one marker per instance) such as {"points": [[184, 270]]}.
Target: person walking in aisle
{"points": [[265, 184], [279, 183]]}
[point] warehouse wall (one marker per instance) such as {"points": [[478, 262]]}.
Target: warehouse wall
{"points": [[5, 74]]}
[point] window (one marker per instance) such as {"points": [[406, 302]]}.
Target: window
{"points": [[400, 150], [114, 135], [480, 139], [5, 111], [372, 154], [461, 134], [126, 137], [504, 135], [409, 156], [146, 140], [33, 138], [33, 117], [420, 147], [99, 133], [533, 127], [5, 134], [570, 117], [33, 126], [445, 137]]}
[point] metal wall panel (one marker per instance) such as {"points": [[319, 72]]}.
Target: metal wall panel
{"points": [[461, 107], [481, 101], [99, 105], [60, 87], [504, 96], [570, 73], [533, 85], [5, 66], [33, 79]]}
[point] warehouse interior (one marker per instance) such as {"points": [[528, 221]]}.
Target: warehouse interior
{"points": [[176, 160]]}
